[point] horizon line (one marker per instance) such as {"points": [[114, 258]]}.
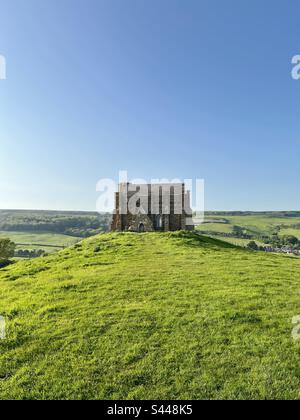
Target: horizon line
{"points": [[95, 211]]}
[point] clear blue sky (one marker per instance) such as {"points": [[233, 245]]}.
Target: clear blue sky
{"points": [[162, 88]]}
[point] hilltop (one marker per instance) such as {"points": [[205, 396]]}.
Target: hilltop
{"points": [[150, 316]]}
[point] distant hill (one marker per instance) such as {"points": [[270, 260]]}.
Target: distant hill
{"points": [[272, 214], [77, 224], [150, 316]]}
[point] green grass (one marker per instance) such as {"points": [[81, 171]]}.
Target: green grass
{"points": [[237, 241], [151, 316], [290, 232]]}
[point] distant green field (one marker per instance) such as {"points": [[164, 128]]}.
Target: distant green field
{"points": [[150, 316], [290, 231], [255, 224], [49, 242], [49, 231], [74, 224], [216, 227], [263, 224]]}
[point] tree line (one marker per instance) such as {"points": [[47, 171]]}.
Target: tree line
{"points": [[80, 224]]}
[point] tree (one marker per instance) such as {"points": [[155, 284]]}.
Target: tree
{"points": [[290, 240], [7, 249], [276, 240], [238, 231], [253, 245]]}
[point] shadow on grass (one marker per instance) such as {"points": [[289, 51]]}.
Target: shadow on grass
{"points": [[194, 239]]}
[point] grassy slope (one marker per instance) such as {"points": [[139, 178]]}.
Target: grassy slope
{"points": [[150, 316]]}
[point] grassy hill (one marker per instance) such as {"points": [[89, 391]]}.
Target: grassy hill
{"points": [[150, 316]]}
